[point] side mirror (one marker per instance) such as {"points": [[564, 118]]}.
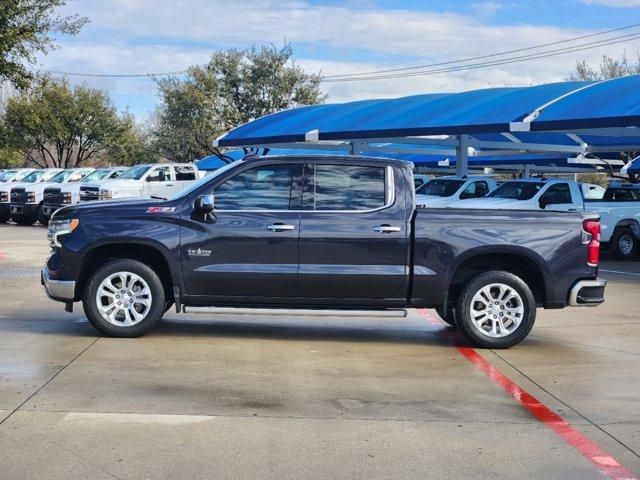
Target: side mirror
{"points": [[204, 204]]}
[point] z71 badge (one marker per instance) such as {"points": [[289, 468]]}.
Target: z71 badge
{"points": [[198, 252], [160, 209]]}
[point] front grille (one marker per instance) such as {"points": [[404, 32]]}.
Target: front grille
{"points": [[52, 196], [89, 193], [18, 196]]}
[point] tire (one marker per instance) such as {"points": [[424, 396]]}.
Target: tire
{"points": [[124, 322], [44, 221], [623, 244], [4, 218], [450, 317], [519, 310]]}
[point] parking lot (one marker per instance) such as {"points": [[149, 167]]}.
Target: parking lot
{"points": [[312, 397]]}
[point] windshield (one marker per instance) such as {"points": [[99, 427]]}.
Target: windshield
{"points": [[196, 185], [440, 188], [95, 176], [135, 173], [6, 176], [61, 177], [517, 190], [33, 177]]}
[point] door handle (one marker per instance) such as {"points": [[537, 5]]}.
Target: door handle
{"points": [[280, 227], [169, 185], [386, 229]]}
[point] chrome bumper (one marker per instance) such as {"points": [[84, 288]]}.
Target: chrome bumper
{"points": [[587, 293], [61, 290]]}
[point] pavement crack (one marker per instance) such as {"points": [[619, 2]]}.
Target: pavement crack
{"points": [[618, 441], [49, 381]]}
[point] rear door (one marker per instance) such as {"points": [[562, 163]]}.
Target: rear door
{"points": [[247, 250], [354, 234], [159, 181]]}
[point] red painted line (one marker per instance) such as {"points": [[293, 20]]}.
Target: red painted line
{"points": [[599, 457], [2, 256]]}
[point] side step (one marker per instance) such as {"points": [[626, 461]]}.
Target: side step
{"points": [[302, 312]]}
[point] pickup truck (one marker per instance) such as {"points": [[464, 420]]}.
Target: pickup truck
{"points": [[27, 203], [35, 176], [619, 208], [319, 233], [69, 193], [153, 180], [441, 191]]}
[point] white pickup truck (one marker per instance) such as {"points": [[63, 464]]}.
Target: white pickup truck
{"points": [[36, 176], [152, 180], [441, 191], [27, 203], [619, 208], [69, 193]]}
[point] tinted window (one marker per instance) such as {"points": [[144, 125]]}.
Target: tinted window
{"points": [[261, 188], [185, 173], [475, 190], [160, 174], [622, 194], [557, 194], [348, 187], [517, 190], [440, 188]]}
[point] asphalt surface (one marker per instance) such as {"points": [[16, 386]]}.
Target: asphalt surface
{"points": [[309, 397]]}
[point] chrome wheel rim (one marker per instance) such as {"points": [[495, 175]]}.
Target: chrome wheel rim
{"points": [[496, 310], [124, 299], [625, 244]]}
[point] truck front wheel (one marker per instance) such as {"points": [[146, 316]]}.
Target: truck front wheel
{"points": [[124, 298], [496, 310]]}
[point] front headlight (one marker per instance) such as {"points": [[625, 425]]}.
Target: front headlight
{"points": [[4, 197], [60, 228], [31, 197], [66, 197], [106, 194]]}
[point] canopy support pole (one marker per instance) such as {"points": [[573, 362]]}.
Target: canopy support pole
{"points": [[462, 155], [526, 171], [356, 147]]}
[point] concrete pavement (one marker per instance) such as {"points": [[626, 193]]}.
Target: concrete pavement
{"points": [[287, 397]]}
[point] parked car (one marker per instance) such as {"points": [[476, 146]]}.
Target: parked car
{"points": [[441, 191], [27, 203], [619, 213], [320, 233], [153, 180], [35, 176], [69, 193], [419, 180]]}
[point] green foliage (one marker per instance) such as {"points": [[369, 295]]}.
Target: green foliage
{"points": [[609, 68], [26, 29], [133, 146], [601, 179], [236, 86], [55, 125]]}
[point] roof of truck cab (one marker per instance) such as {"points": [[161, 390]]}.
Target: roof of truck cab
{"points": [[346, 159]]}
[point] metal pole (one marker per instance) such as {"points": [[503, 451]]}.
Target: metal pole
{"points": [[526, 172], [462, 155], [356, 148]]}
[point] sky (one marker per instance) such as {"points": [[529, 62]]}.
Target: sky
{"points": [[331, 37]]}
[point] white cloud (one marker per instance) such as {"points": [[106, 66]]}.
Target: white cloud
{"points": [[137, 36], [614, 3]]}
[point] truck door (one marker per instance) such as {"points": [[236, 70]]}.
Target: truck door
{"points": [[248, 249], [159, 182], [354, 234]]}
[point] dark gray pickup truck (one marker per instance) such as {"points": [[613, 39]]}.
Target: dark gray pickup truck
{"points": [[315, 232]]}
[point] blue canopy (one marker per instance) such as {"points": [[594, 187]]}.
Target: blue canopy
{"points": [[632, 167], [566, 117]]}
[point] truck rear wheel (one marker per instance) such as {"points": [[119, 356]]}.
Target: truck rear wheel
{"points": [[124, 298], [623, 243], [496, 310]]}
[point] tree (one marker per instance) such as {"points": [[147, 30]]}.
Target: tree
{"points": [[236, 86], [54, 125], [609, 68], [26, 29], [133, 146]]}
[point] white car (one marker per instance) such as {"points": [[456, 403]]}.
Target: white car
{"points": [[35, 176], [153, 180], [619, 209], [70, 193], [441, 191], [27, 203]]}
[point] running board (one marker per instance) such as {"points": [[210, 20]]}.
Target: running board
{"points": [[389, 313]]}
